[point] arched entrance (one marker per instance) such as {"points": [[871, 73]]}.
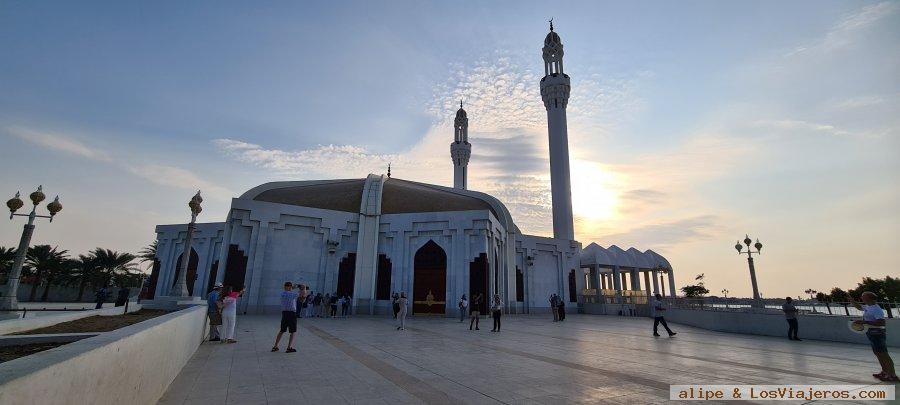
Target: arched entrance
{"points": [[430, 280], [478, 284], [346, 275]]}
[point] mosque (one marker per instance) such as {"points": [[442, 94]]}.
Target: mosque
{"points": [[368, 238]]}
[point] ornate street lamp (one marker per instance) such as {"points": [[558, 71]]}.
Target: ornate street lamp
{"points": [[180, 287], [725, 293], [8, 299], [757, 303]]}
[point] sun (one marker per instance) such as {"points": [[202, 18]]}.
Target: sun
{"points": [[593, 197]]}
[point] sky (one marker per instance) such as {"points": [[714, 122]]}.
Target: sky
{"points": [[691, 123]]}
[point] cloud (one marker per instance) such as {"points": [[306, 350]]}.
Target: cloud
{"points": [[801, 127], [176, 177], [668, 233], [847, 30], [169, 176], [59, 142]]}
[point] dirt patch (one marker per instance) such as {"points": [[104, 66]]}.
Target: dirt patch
{"points": [[97, 323], [8, 353]]}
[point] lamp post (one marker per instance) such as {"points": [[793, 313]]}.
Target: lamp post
{"points": [[725, 293], [180, 287], [757, 303], [8, 299]]}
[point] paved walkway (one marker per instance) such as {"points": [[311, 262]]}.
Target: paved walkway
{"points": [[586, 359]]}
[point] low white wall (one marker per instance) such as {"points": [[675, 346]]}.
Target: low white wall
{"points": [[22, 324], [818, 327], [132, 365]]}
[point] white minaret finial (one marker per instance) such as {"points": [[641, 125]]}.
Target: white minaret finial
{"points": [[460, 149], [555, 89]]}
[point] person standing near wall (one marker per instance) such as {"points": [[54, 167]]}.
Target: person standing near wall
{"points": [[229, 313], [288, 317], [496, 307], [657, 309], [463, 305], [212, 312], [873, 319], [561, 309], [475, 313], [401, 313], [395, 306], [554, 307], [790, 313]]}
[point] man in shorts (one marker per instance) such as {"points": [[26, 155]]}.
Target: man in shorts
{"points": [[873, 319], [288, 316]]}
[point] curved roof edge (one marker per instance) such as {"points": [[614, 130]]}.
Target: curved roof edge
{"points": [[273, 185], [498, 206]]}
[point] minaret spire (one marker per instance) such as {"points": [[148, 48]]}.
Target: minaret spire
{"points": [[460, 149], [555, 87]]}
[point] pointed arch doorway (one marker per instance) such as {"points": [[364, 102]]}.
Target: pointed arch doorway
{"points": [[430, 280]]}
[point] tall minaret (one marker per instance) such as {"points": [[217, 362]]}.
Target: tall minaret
{"points": [[555, 92], [460, 149]]}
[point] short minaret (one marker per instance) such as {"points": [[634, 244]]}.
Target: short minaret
{"points": [[555, 92], [460, 149]]}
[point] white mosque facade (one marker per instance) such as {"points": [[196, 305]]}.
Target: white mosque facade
{"points": [[368, 238]]}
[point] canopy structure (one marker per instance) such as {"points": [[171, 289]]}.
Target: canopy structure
{"points": [[616, 269]]}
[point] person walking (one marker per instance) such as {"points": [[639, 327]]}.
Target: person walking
{"points": [[401, 313], [326, 305], [317, 305], [212, 312], [463, 305], [657, 309], [496, 307], [301, 299], [554, 306], [873, 320], [790, 313], [395, 306], [229, 313], [334, 305], [475, 313], [288, 317]]}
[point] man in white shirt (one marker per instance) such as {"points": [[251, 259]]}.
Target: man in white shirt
{"points": [[873, 318], [657, 309]]}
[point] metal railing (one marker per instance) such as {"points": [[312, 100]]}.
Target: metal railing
{"points": [[803, 306]]}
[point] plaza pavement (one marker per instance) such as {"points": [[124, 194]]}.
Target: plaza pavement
{"points": [[586, 359]]}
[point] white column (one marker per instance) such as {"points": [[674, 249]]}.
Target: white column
{"points": [[655, 281], [671, 283]]}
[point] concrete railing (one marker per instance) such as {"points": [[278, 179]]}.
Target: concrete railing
{"points": [[818, 327], [22, 324], [131, 365]]}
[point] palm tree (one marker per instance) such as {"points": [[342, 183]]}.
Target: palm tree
{"points": [[7, 256], [57, 274], [42, 259], [84, 271], [111, 263], [148, 254]]}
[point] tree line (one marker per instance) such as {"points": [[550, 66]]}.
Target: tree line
{"points": [[48, 266], [887, 289]]}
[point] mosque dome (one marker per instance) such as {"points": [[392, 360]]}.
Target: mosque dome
{"points": [[397, 197], [552, 38], [460, 113]]}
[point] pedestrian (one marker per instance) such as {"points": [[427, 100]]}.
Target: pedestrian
{"points": [[395, 306], [463, 304], [212, 312], [345, 306], [317, 305], [308, 303], [475, 313], [496, 307], [657, 309], [790, 313], [288, 317], [301, 299], [554, 306], [873, 320], [561, 309], [122, 296], [326, 305], [100, 297], [334, 305], [229, 312], [401, 313]]}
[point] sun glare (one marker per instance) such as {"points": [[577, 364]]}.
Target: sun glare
{"points": [[593, 197]]}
